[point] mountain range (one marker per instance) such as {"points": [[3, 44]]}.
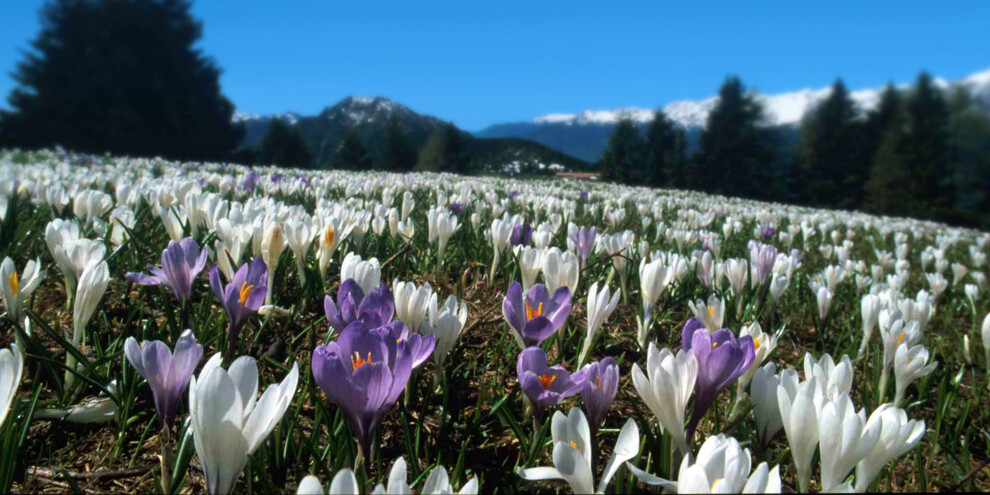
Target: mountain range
{"points": [[555, 141], [585, 135], [323, 133]]}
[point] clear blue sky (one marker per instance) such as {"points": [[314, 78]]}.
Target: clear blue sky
{"points": [[479, 63]]}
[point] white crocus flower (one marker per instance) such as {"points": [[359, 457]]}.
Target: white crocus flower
{"points": [[972, 293], [600, 307], [910, 364], [572, 453], [653, 279], [530, 264], [299, 236], [778, 285], [272, 245], [870, 312], [445, 323], [985, 334], [763, 392], [228, 419], [736, 270], [92, 285], [799, 414], [331, 236], [959, 272], [172, 222], [824, 298], [937, 283], [665, 387], [833, 380], [501, 235], [711, 315], [343, 482], [437, 482], [11, 370], [367, 273], [722, 466], [95, 410], [763, 343], [845, 438], [897, 437], [412, 302], [561, 269], [14, 289]]}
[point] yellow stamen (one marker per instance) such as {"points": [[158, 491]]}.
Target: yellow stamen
{"points": [[547, 381], [715, 483], [711, 312], [530, 314], [329, 236], [357, 362], [14, 282], [246, 291], [756, 343], [714, 345], [598, 382], [900, 338], [575, 445]]}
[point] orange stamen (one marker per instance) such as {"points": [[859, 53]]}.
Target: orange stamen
{"points": [[574, 444], [711, 312], [530, 314], [900, 338], [547, 381], [329, 236], [756, 343], [14, 282], [598, 382], [357, 362], [246, 291]]}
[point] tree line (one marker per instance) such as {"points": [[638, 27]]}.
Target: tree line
{"points": [[921, 152]]}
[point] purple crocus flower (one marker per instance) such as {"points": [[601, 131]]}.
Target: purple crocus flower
{"points": [[584, 241], [456, 208], [537, 315], [167, 372], [277, 178], [599, 392], [762, 257], [375, 309], [251, 180], [513, 194], [345, 311], [242, 297], [522, 234], [181, 262], [305, 179], [363, 373], [545, 385], [767, 232], [722, 359], [583, 195]]}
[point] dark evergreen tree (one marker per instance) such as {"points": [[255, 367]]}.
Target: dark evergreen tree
{"points": [[351, 153], [398, 152], [283, 145], [969, 151], [733, 156], [625, 153], [662, 150], [831, 153], [120, 76], [926, 147], [443, 152], [455, 159], [890, 190]]}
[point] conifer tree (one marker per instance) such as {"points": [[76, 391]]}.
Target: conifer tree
{"points": [[926, 147], [398, 153], [624, 155], [120, 76], [351, 153], [662, 148], [831, 153], [283, 145], [732, 157]]}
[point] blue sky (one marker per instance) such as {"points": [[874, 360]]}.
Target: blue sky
{"points": [[479, 63]]}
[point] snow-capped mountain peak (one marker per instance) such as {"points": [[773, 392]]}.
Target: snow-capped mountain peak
{"points": [[780, 109], [290, 117]]}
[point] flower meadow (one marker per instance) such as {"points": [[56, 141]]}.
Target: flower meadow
{"points": [[179, 327]]}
